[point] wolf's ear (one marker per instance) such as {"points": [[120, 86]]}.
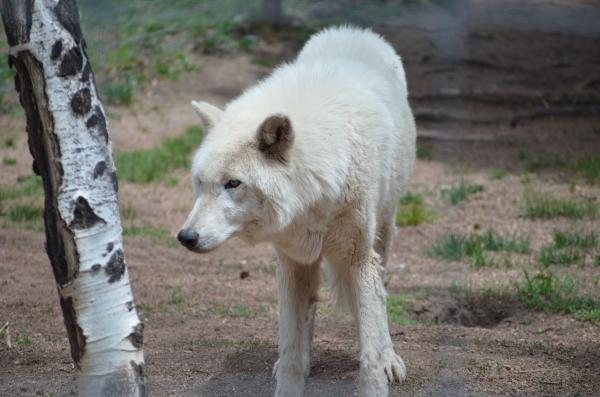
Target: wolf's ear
{"points": [[208, 113], [275, 137]]}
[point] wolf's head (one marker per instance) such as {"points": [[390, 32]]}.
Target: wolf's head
{"points": [[241, 177]]}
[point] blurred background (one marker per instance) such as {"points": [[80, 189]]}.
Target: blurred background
{"points": [[494, 282]]}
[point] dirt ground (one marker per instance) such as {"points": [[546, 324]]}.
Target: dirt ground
{"points": [[488, 92]]}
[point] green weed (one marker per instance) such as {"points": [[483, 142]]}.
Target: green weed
{"points": [[575, 239], [158, 235], [25, 213], [397, 306], [262, 62], [118, 93], [128, 212], [589, 168], [549, 293], [9, 161], [144, 166], [544, 162], [172, 181], [458, 194], [568, 248], [9, 142], [544, 206], [522, 155], [551, 256], [497, 173], [238, 310], [26, 187], [424, 152], [455, 247], [412, 210], [24, 340], [176, 299]]}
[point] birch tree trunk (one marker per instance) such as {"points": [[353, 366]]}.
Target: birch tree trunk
{"points": [[71, 148]]}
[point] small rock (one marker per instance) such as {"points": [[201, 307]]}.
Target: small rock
{"points": [[244, 274]]}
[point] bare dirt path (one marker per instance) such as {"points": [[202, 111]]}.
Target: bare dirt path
{"points": [[211, 320]]}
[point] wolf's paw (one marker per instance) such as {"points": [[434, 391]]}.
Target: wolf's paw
{"points": [[274, 373], [393, 366]]}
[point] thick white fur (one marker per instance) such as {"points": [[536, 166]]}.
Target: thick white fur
{"points": [[332, 201]]}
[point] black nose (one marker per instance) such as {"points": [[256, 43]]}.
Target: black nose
{"points": [[188, 238]]}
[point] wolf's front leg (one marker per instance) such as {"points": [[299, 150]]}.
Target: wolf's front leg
{"points": [[297, 289], [379, 364]]}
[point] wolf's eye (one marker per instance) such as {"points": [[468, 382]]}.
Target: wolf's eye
{"points": [[232, 184]]}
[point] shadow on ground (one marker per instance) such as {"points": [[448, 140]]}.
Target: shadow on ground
{"points": [[248, 373]]}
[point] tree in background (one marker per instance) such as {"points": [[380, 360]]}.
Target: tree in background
{"points": [[69, 140], [273, 11]]}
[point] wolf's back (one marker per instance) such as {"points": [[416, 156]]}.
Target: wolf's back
{"points": [[358, 45]]}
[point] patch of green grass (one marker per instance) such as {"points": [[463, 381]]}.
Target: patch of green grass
{"points": [[497, 173], [551, 256], [172, 67], [424, 152], [144, 166], [568, 248], [544, 162], [128, 212], [25, 213], [397, 306], [412, 210], [158, 235], [172, 181], [9, 142], [458, 194], [261, 61], [575, 239], [26, 187], [597, 260], [589, 168], [118, 93], [455, 247], [522, 155], [175, 299], [544, 206], [24, 340], [9, 161], [549, 293], [452, 247], [133, 42], [238, 310], [492, 241]]}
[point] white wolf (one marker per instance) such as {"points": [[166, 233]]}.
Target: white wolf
{"points": [[314, 159]]}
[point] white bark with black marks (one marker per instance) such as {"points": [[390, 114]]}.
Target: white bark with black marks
{"points": [[69, 141]]}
